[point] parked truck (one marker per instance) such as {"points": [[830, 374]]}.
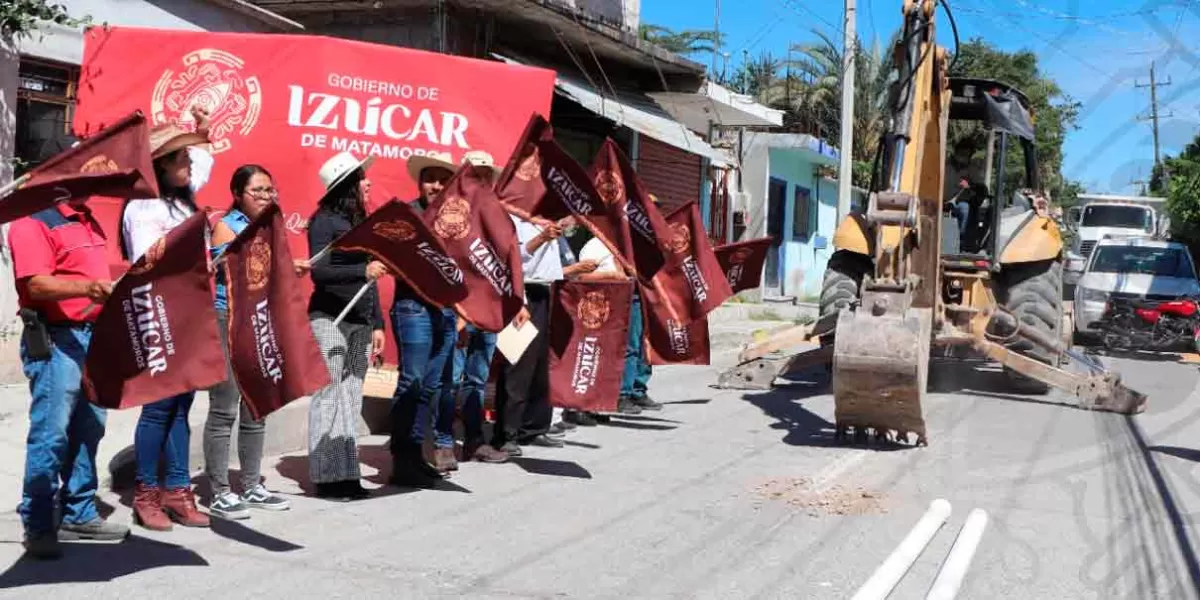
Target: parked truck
{"points": [[1099, 216]]}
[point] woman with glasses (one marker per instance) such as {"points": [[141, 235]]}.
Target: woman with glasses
{"points": [[253, 192]]}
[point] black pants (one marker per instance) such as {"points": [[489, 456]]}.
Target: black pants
{"points": [[523, 390]]}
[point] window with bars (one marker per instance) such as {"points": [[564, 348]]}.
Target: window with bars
{"points": [[802, 226], [45, 107]]}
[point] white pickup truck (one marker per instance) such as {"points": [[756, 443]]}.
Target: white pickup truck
{"points": [[1110, 217]]}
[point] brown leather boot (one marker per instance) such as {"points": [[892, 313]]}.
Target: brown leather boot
{"points": [[147, 508], [180, 505]]}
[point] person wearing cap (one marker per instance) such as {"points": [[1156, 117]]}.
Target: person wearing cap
{"points": [[60, 267], [349, 346], [426, 336], [467, 371], [181, 168]]}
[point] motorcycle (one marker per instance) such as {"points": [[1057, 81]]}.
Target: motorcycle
{"points": [[1148, 325]]}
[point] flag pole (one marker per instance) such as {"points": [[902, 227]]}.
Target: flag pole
{"points": [[345, 311], [14, 185]]}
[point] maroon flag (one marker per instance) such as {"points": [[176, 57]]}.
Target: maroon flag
{"points": [[477, 233], [157, 334], [743, 262], [272, 351], [115, 162], [589, 322], [520, 185], [692, 284], [396, 236], [668, 341], [644, 230]]}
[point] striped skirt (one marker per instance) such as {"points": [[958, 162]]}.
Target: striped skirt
{"points": [[335, 410]]}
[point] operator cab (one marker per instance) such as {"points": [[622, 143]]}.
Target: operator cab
{"points": [[1003, 113]]}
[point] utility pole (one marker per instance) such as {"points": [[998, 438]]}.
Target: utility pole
{"points": [[716, 37], [846, 148], [1154, 114]]}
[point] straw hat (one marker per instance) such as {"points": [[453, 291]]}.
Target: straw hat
{"points": [[337, 168], [441, 160], [481, 158], [169, 137]]}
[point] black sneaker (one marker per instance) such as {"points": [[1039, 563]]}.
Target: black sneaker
{"points": [[627, 406], [564, 426], [228, 505], [645, 403], [261, 498], [97, 529], [43, 546], [581, 419]]}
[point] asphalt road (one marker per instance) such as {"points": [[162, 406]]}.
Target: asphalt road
{"points": [[721, 495]]}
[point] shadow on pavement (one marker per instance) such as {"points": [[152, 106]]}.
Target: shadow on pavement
{"points": [[582, 445], [622, 424], [695, 401], [93, 562], [1146, 356], [646, 419], [1177, 452], [232, 530], [804, 427], [556, 468]]}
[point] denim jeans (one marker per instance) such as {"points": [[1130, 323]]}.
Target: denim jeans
{"points": [[64, 432], [425, 336], [636, 377], [163, 432], [962, 214], [468, 373]]}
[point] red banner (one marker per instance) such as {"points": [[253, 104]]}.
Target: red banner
{"points": [[115, 162], [669, 342], [396, 236], [272, 351], [290, 102], [743, 262], [520, 185], [478, 234], [644, 230], [589, 322], [157, 334], [692, 283]]}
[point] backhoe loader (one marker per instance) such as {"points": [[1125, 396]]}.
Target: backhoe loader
{"points": [[903, 280]]}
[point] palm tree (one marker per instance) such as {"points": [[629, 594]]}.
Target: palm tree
{"points": [[685, 42]]}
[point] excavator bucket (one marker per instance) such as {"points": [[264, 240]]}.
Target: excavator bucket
{"points": [[880, 367]]}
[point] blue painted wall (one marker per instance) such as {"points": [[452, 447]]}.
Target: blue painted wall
{"points": [[802, 263]]}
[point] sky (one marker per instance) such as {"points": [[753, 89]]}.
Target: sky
{"points": [[1097, 50]]}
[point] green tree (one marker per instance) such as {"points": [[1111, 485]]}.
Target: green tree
{"points": [[21, 18], [1182, 190], [685, 42]]}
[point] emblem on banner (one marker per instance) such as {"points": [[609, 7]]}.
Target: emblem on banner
{"points": [[214, 80], [531, 165], [610, 186], [453, 218], [593, 310], [395, 231], [153, 254], [681, 238], [99, 165], [739, 256], [258, 264]]}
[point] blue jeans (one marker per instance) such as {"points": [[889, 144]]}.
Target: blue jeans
{"points": [[425, 336], [163, 432], [473, 362], [64, 432], [962, 214], [636, 378]]}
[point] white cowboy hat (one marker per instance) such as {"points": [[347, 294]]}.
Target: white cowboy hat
{"points": [[481, 158], [440, 160], [342, 164]]}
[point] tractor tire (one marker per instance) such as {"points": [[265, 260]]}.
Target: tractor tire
{"points": [[1032, 292], [840, 288]]}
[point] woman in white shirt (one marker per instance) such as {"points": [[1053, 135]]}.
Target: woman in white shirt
{"points": [[181, 168]]}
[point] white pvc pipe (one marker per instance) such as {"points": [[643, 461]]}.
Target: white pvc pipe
{"points": [[345, 311], [885, 578], [950, 577]]}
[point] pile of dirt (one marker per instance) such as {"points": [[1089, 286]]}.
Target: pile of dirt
{"points": [[827, 500]]}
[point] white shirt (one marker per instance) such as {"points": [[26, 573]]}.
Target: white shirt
{"points": [[595, 250], [146, 221], [543, 265]]}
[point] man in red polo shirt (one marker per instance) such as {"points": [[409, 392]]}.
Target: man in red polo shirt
{"points": [[61, 270]]}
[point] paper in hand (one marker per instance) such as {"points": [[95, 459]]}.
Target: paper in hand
{"points": [[512, 342]]}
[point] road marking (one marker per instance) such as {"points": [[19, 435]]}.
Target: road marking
{"points": [[825, 478]]}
